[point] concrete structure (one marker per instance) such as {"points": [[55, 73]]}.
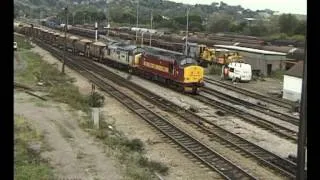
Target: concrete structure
{"points": [[261, 61], [292, 82]]}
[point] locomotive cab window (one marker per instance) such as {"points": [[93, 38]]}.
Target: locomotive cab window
{"points": [[231, 69], [188, 61], [171, 68]]}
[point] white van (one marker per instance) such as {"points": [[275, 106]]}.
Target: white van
{"points": [[15, 46], [237, 71]]}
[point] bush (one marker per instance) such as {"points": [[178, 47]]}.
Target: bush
{"points": [[215, 69], [96, 100], [134, 145], [277, 74], [153, 165]]}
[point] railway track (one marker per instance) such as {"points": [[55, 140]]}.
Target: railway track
{"points": [[253, 119], [268, 159], [269, 99], [259, 108], [280, 165], [212, 159]]}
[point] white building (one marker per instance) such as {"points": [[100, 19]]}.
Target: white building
{"points": [[292, 82]]}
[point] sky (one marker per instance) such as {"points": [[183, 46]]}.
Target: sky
{"points": [[283, 6]]}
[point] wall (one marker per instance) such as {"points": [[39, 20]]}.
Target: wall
{"points": [[292, 87], [260, 61], [261, 64]]}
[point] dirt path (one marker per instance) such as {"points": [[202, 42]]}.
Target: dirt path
{"points": [[74, 154], [18, 64]]}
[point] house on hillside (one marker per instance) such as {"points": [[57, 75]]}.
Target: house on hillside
{"points": [[292, 82]]}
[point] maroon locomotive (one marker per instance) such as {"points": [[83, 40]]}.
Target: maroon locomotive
{"points": [[171, 68]]}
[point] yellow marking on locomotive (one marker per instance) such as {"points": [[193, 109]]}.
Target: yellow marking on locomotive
{"points": [[137, 58], [193, 74], [156, 66]]}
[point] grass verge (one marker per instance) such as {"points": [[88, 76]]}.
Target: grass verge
{"points": [[60, 87], [27, 161], [22, 42], [130, 152]]}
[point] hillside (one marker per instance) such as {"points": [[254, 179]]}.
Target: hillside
{"points": [[217, 17], [128, 7]]}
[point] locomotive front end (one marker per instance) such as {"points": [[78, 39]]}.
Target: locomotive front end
{"points": [[193, 78]]}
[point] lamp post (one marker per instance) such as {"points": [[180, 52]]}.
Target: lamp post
{"points": [[65, 38]]}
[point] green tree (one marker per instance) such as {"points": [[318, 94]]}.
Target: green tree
{"points": [[301, 28], [238, 28], [258, 30], [288, 23], [218, 22]]}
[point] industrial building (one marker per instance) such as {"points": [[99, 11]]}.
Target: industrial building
{"points": [[261, 61], [292, 82]]}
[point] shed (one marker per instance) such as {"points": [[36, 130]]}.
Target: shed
{"points": [[292, 82], [260, 60]]}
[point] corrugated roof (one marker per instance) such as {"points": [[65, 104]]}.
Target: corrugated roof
{"points": [[86, 41], [283, 49], [296, 70], [99, 43], [251, 50], [128, 47], [73, 37]]}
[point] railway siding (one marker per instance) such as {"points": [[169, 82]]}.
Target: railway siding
{"points": [[251, 103]]}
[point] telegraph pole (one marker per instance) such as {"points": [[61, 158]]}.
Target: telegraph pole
{"points": [[302, 135], [96, 30], [65, 39], [137, 21], [73, 14], [151, 19], [186, 50], [107, 18]]}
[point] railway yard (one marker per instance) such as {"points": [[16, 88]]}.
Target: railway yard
{"points": [[225, 131]]}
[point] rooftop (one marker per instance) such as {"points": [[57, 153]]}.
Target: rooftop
{"points": [[296, 70], [251, 50], [98, 43]]}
